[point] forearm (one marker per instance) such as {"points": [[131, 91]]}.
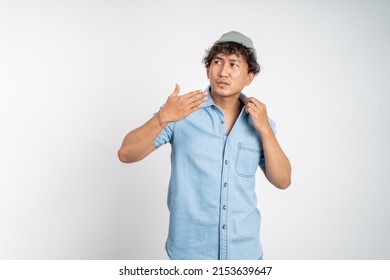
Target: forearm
{"points": [[277, 166], [138, 143]]}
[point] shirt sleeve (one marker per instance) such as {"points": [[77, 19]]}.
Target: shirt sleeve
{"points": [[165, 135], [262, 158]]}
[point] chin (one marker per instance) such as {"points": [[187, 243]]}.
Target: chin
{"points": [[223, 92]]}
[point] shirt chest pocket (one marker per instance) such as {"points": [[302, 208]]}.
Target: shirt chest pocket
{"points": [[247, 161]]}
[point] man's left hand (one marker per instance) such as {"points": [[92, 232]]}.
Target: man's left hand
{"points": [[258, 112]]}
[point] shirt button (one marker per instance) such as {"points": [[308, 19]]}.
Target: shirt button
{"points": [[226, 161], [225, 184], [215, 107], [223, 226], [222, 122], [224, 207]]}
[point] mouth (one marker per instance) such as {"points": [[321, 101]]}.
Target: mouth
{"points": [[223, 83]]}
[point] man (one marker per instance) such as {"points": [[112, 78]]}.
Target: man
{"points": [[219, 138]]}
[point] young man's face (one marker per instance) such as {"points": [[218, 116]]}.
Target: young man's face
{"points": [[228, 75]]}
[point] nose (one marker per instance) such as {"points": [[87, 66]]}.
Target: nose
{"points": [[224, 70]]}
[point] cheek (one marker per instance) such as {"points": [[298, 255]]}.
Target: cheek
{"points": [[239, 77], [211, 73]]}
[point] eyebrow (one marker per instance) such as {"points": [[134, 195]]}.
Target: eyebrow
{"points": [[229, 59]]}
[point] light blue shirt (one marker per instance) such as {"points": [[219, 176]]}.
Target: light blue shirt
{"points": [[211, 195]]}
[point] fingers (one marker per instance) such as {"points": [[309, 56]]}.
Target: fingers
{"points": [[193, 101], [193, 95], [255, 108], [250, 108], [253, 103], [176, 91], [178, 106], [249, 105], [193, 98], [190, 96], [197, 103]]}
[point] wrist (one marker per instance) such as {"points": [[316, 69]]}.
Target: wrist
{"points": [[161, 122], [265, 130]]}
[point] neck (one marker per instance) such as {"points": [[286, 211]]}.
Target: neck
{"points": [[228, 104], [231, 107]]}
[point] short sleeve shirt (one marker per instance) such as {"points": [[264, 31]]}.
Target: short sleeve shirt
{"points": [[211, 195]]}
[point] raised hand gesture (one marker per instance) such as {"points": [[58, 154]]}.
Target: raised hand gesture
{"points": [[178, 107]]}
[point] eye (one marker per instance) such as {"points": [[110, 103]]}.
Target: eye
{"points": [[234, 65], [217, 61]]}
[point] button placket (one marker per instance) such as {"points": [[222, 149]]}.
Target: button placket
{"points": [[224, 202]]}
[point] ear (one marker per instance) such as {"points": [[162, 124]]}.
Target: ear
{"points": [[207, 72], [251, 76]]}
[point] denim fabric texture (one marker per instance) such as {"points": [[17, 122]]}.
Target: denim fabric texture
{"points": [[211, 195]]}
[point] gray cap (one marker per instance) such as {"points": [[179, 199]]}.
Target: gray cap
{"points": [[237, 37]]}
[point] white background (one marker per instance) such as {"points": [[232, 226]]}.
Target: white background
{"points": [[76, 76]]}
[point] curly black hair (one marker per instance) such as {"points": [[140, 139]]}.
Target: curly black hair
{"points": [[228, 48]]}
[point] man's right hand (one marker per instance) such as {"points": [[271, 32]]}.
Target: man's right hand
{"points": [[138, 143], [178, 107]]}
